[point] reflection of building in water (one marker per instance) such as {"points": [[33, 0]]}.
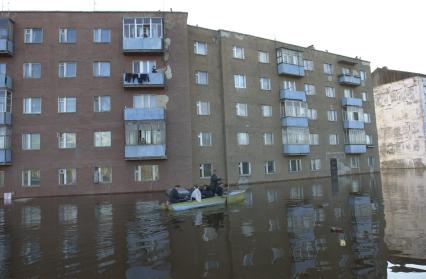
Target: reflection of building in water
{"points": [[301, 222], [31, 215], [404, 195], [104, 236], [4, 247]]}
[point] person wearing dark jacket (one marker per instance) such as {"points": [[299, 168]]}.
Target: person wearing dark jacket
{"points": [[214, 182], [174, 195]]}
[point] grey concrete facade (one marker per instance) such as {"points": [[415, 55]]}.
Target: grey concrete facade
{"points": [[179, 157]]}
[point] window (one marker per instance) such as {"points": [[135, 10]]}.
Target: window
{"points": [[31, 141], [203, 108], [268, 138], [142, 27], [348, 93], [243, 138], [265, 83], [145, 101], [101, 69], [103, 139], [67, 140], [314, 139], [308, 65], [146, 173], [354, 136], [269, 167], [315, 164], [370, 161], [238, 52], [352, 113], [263, 56], [328, 69], [2, 178], [67, 69], [200, 48], [288, 56], [244, 168], [201, 78], [67, 104], [364, 96], [145, 133], [332, 115], [289, 84], [32, 105], [5, 137], [143, 66], [309, 89], [101, 103], [33, 36], [294, 165], [295, 135], [362, 75], [206, 170], [367, 118], [266, 111], [354, 162], [67, 176], [330, 92], [5, 101], [240, 81], [67, 35], [346, 71], [102, 175], [294, 108], [31, 178], [101, 35], [205, 139], [333, 139], [241, 109], [312, 114], [369, 139], [32, 70]]}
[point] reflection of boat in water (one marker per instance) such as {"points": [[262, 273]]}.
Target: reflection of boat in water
{"points": [[230, 198]]}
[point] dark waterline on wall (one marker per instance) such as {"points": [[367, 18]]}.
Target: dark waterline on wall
{"points": [[365, 226]]}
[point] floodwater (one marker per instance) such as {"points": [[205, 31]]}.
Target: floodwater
{"points": [[369, 226]]}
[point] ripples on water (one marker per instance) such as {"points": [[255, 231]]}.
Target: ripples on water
{"points": [[356, 227]]}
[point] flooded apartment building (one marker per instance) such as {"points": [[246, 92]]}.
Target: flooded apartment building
{"points": [[400, 99], [112, 102]]}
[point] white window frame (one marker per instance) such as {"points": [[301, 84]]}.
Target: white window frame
{"points": [[64, 36], [241, 109], [201, 78], [263, 56], [63, 104], [154, 173], [243, 138], [312, 114], [265, 109], [27, 141], [203, 108], [328, 69], [97, 35], [97, 103], [205, 139], [274, 170], [203, 170], [298, 165], [28, 71], [30, 100], [29, 35], [63, 176], [313, 139], [97, 69], [268, 138], [27, 174], [363, 75], [98, 177], [332, 115], [238, 52], [315, 164], [370, 161], [240, 81], [367, 117], [200, 48], [330, 92], [364, 96], [143, 66], [333, 139], [241, 168], [64, 67], [265, 84], [308, 65], [104, 137], [310, 89], [354, 162], [64, 138]]}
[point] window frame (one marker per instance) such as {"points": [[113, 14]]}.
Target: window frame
{"points": [[30, 70], [101, 145], [30, 99], [100, 35], [241, 168], [266, 165], [138, 173], [201, 138], [97, 69], [65, 176], [97, 103], [27, 141], [64, 101], [65, 71], [203, 104], [298, 165], [238, 52], [201, 78], [199, 50], [243, 138], [64, 31], [203, 170], [27, 174], [30, 32]]}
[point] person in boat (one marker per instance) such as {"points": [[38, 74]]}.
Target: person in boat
{"points": [[214, 182], [196, 194], [174, 194], [220, 189], [206, 192]]}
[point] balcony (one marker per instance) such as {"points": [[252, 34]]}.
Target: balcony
{"points": [[141, 45], [131, 80], [290, 94], [351, 124], [346, 101], [290, 121], [291, 70], [296, 149], [355, 148], [349, 80], [5, 82], [6, 47], [145, 152], [144, 114], [5, 118], [5, 156], [6, 37]]}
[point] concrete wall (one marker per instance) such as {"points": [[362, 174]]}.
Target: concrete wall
{"points": [[400, 111]]}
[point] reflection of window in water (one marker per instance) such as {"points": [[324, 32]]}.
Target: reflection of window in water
{"points": [[338, 213], [355, 186], [31, 215], [305, 251], [277, 253], [30, 251], [247, 229], [317, 191], [321, 244], [272, 196], [68, 214], [248, 259], [296, 193], [69, 244], [248, 202], [274, 225], [319, 215], [103, 212]]}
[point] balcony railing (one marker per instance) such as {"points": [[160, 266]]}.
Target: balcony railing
{"points": [[137, 45], [346, 101], [5, 156], [145, 152], [351, 124], [144, 80], [355, 148], [6, 47], [296, 149], [5, 82], [349, 80], [5, 118], [289, 121], [290, 94], [291, 70], [142, 114]]}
